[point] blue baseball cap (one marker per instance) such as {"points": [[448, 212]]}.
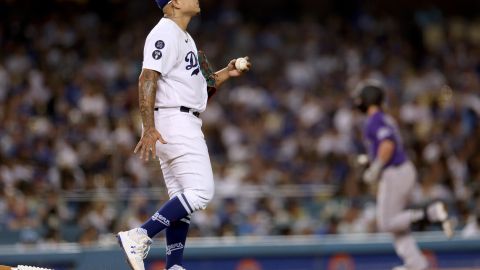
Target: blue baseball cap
{"points": [[162, 3]]}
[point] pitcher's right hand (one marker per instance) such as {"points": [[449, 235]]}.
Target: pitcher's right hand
{"points": [[146, 145]]}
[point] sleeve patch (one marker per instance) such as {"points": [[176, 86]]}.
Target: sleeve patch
{"points": [[383, 133], [159, 44], [157, 54]]}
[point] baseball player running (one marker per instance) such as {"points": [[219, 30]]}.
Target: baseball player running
{"points": [[396, 175], [172, 94]]}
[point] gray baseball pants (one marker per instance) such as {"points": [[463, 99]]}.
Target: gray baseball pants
{"points": [[396, 184]]}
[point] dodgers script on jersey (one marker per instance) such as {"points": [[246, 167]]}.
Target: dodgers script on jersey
{"points": [[172, 52], [381, 127]]}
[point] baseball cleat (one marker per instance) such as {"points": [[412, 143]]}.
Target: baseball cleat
{"points": [[437, 212], [447, 227], [135, 244], [176, 267]]}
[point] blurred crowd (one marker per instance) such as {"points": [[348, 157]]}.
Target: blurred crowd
{"points": [[283, 139]]}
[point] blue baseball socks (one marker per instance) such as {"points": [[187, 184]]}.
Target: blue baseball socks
{"points": [[170, 212], [176, 237]]}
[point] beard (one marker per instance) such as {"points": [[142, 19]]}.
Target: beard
{"points": [[362, 107]]}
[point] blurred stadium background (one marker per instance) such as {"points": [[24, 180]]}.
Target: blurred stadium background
{"points": [[283, 139]]}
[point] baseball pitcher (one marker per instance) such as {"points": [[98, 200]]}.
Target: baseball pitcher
{"points": [[174, 86]]}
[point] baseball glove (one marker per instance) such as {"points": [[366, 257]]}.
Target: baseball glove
{"points": [[208, 73]]}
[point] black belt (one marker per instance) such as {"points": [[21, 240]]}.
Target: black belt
{"points": [[185, 109], [398, 164]]}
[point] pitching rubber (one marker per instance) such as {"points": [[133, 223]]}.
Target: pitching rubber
{"points": [[22, 267]]}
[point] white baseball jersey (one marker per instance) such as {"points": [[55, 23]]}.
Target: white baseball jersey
{"points": [[172, 52]]}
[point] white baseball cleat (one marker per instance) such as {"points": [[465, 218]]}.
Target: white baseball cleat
{"points": [[437, 212], [135, 244], [176, 267], [448, 228]]}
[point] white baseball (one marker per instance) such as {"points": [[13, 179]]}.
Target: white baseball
{"points": [[241, 64]]}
